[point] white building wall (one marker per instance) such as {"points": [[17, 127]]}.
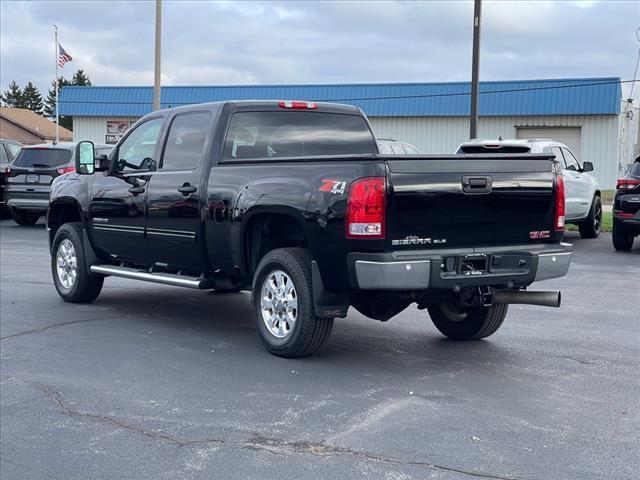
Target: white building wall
{"points": [[443, 135], [93, 128]]}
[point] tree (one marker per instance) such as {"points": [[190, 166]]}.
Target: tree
{"points": [[32, 98], [80, 79], [50, 102], [13, 97]]}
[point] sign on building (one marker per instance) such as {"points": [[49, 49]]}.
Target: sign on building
{"points": [[116, 130]]}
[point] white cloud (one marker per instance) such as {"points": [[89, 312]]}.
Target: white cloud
{"points": [[317, 42]]}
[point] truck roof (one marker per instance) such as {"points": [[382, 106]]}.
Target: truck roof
{"points": [[249, 105]]}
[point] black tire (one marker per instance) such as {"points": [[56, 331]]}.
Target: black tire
{"points": [[471, 323], [590, 227], [309, 332], [85, 288], [621, 241], [24, 218]]}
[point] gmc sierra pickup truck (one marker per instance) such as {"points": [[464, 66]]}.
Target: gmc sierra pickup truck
{"points": [[293, 201]]}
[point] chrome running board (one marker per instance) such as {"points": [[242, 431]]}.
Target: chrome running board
{"points": [[163, 278]]}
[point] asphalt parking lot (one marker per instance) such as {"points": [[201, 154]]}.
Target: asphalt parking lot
{"points": [[153, 382]]}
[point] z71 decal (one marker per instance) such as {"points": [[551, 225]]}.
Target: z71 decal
{"points": [[337, 187]]}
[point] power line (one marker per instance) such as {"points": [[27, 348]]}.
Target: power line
{"points": [[398, 97]]}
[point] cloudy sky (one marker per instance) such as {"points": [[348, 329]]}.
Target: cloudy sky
{"points": [[208, 43]]}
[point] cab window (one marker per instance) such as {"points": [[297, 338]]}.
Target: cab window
{"points": [[186, 141], [559, 157], [13, 150], [137, 151], [572, 163]]}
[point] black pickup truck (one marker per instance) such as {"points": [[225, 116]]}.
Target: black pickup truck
{"points": [[293, 201]]}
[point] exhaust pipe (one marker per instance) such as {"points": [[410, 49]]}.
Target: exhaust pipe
{"points": [[544, 299]]}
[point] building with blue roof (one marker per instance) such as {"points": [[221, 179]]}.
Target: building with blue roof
{"points": [[583, 113]]}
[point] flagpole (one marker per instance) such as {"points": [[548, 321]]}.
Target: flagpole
{"points": [[55, 29]]}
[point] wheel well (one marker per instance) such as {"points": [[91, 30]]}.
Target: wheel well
{"points": [[267, 232], [59, 214]]}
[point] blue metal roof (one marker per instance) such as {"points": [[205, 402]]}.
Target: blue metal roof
{"points": [[580, 96]]}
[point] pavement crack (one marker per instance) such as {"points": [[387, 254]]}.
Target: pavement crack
{"points": [[256, 442], [60, 324]]}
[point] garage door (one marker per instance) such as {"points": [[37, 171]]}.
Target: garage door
{"points": [[570, 136]]}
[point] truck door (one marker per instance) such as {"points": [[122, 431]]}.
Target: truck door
{"points": [[174, 196], [117, 203]]}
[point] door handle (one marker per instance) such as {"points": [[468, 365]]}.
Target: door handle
{"points": [[136, 190], [187, 189]]}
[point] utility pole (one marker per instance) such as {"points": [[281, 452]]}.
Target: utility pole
{"points": [[55, 88], [157, 66], [475, 70]]}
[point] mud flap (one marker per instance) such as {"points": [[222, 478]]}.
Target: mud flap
{"points": [[327, 304]]}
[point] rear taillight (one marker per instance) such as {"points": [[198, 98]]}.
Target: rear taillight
{"points": [[627, 184], [558, 219], [62, 171], [366, 208], [298, 105], [7, 170]]}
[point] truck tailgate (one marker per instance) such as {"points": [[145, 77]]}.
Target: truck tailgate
{"points": [[460, 201]]}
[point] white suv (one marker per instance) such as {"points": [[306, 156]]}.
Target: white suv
{"points": [[583, 201]]}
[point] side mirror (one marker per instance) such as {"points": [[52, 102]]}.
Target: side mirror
{"points": [[587, 167], [85, 158]]}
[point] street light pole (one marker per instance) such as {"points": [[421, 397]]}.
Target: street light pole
{"points": [[475, 70], [157, 67]]}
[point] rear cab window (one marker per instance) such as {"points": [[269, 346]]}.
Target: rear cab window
{"points": [[186, 140], [42, 157], [497, 149], [269, 134]]}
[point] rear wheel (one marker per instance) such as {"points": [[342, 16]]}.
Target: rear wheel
{"points": [[590, 227], [24, 218], [69, 268], [282, 297], [621, 241], [467, 323]]}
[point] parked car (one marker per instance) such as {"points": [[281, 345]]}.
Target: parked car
{"points": [[292, 201], [30, 175], [8, 151], [393, 147], [626, 208], [583, 197]]}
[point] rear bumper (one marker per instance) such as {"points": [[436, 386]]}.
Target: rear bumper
{"points": [[448, 269], [31, 204], [627, 225]]}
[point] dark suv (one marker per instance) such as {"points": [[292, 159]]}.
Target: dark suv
{"points": [[8, 151], [626, 208], [30, 176]]}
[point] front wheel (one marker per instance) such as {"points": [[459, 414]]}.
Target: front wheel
{"points": [[590, 227], [24, 218], [467, 323], [282, 297], [69, 268]]}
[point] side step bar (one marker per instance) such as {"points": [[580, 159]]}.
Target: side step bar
{"points": [[163, 278]]}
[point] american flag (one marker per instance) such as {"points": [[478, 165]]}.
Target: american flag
{"points": [[63, 56]]}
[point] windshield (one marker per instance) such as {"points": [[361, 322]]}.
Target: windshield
{"points": [[296, 134], [635, 169], [42, 157]]}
